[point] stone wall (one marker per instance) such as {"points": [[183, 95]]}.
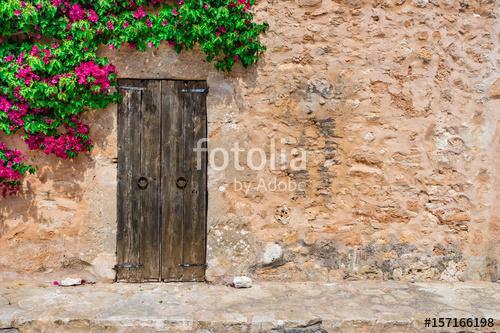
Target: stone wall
{"points": [[396, 105]]}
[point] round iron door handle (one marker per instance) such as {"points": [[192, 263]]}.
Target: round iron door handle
{"points": [[143, 183], [181, 182]]}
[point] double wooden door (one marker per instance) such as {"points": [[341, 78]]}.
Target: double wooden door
{"points": [[162, 195]]}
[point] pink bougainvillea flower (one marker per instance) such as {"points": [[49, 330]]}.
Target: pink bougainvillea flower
{"points": [[93, 17], [27, 74], [99, 74], [34, 51], [139, 13], [77, 13], [63, 145], [12, 170]]}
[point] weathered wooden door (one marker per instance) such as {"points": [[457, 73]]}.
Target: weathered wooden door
{"points": [[162, 196]]}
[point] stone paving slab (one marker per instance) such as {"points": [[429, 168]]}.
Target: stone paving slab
{"points": [[362, 306]]}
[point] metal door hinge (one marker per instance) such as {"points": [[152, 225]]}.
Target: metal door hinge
{"points": [[196, 90], [193, 265], [131, 88], [128, 266]]}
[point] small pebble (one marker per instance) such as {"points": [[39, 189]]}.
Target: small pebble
{"points": [[242, 282]]}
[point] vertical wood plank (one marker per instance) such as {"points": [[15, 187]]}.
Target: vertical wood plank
{"points": [[128, 237], [150, 212], [186, 109], [201, 191], [172, 200], [195, 198], [124, 180]]}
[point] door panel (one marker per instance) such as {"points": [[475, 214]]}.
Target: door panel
{"points": [[184, 187], [195, 199], [150, 173], [138, 182], [128, 169], [162, 198], [172, 196]]}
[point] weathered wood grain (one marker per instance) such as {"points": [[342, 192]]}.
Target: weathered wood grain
{"points": [[129, 156], [150, 170], [195, 197], [172, 196], [161, 224]]}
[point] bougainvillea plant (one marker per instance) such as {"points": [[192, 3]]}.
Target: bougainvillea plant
{"points": [[12, 169], [50, 72]]}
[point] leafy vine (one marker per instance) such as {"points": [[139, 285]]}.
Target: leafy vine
{"points": [[50, 72]]}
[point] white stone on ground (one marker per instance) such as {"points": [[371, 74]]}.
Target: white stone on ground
{"points": [[242, 282], [68, 282]]}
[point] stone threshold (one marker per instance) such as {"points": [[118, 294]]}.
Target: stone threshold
{"points": [[275, 307]]}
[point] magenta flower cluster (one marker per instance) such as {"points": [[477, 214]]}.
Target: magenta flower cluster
{"points": [[63, 138], [91, 74], [66, 145], [12, 169]]}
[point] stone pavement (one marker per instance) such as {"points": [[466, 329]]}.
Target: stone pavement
{"points": [[362, 306]]}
